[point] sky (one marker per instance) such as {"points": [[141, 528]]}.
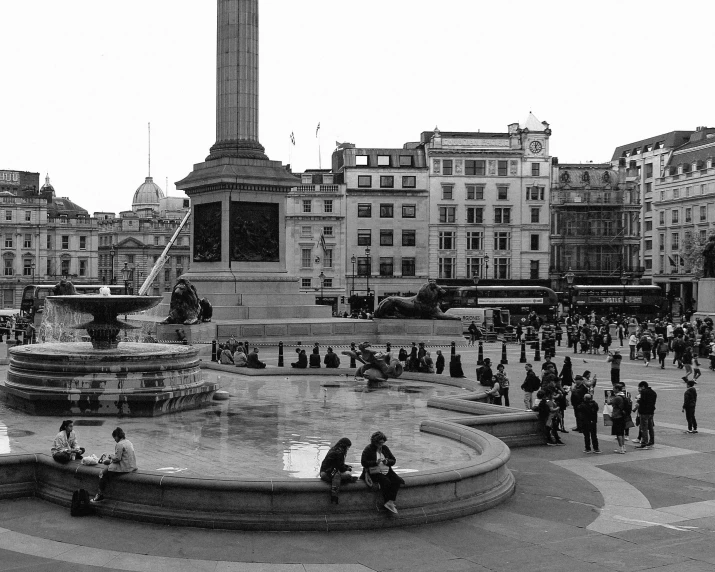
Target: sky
{"points": [[82, 79]]}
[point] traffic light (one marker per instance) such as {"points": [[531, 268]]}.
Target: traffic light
{"points": [[342, 299]]}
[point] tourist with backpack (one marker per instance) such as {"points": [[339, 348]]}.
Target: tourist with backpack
{"points": [[621, 416], [122, 462]]}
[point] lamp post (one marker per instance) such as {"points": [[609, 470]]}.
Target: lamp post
{"points": [[486, 266], [353, 260], [32, 266], [322, 281], [570, 276], [126, 272], [624, 281], [111, 254], [367, 276]]}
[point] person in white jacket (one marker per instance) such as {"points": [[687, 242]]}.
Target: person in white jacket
{"points": [[632, 343]]}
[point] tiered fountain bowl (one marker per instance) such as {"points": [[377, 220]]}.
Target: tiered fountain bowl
{"points": [[105, 376]]}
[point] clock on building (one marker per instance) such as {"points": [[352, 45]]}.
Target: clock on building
{"points": [[535, 146]]}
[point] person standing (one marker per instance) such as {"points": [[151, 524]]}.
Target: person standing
{"points": [[472, 329], [615, 360], [687, 360], [646, 410], [122, 462], [377, 461], [566, 376], [620, 416], [439, 362], [632, 343], [663, 349], [503, 380], [530, 385], [690, 399], [587, 416], [646, 346], [579, 391], [455, 366]]}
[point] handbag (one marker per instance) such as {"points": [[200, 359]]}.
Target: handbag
{"points": [[607, 412], [629, 422]]}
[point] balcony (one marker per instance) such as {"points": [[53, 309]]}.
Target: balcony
{"points": [[587, 198], [317, 189]]}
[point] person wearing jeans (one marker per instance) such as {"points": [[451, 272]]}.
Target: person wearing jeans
{"points": [[646, 410], [690, 399], [122, 462], [333, 469], [377, 461], [587, 415]]}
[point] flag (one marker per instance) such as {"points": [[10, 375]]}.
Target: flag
{"points": [[317, 129], [292, 138], [322, 242], [672, 262]]}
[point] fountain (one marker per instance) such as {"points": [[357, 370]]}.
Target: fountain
{"points": [[104, 376]]}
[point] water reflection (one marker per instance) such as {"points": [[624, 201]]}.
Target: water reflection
{"points": [[4, 439]]}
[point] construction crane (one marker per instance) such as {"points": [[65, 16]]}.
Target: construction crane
{"points": [[163, 258]]}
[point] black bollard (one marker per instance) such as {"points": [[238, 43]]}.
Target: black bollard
{"points": [[280, 354], [453, 350], [480, 354], [522, 359], [537, 353], [504, 359], [246, 342], [213, 350], [352, 358]]}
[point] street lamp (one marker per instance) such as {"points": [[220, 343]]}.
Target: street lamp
{"points": [[111, 254], [570, 276], [32, 266], [322, 281], [367, 276], [486, 266], [126, 273], [353, 260], [624, 281]]}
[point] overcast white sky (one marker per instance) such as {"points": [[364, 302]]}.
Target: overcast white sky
{"points": [[81, 79]]}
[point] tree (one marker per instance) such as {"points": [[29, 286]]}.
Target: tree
{"points": [[692, 253]]}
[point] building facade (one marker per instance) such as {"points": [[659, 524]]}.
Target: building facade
{"points": [[489, 204], [136, 238], [595, 229]]}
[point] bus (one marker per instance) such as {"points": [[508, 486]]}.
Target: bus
{"points": [[33, 297], [487, 319], [639, 301], [520, 301]]}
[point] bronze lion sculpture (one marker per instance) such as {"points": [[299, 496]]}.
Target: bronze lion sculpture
{"points": [[424, 305], [185, 307]]}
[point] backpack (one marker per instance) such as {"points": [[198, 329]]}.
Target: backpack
{"points": [[80, 503]]}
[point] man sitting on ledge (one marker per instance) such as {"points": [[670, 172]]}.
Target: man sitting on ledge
{"points": [[253, 361], [302, 362]]}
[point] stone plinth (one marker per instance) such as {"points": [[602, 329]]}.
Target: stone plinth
{"points": [[706, 298]]}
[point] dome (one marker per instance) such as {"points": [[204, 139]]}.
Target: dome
{"points": [[147, 195], [47, 187]]}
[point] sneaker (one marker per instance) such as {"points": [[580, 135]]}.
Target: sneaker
{"points": [[587, 451], [641, 448], [561, 443], [97, 498], [688, 431], [598, 452], [694, 431], [684, 378], [549, 444], [626, 439], [390, 505], [619, 451], [334, 498]]}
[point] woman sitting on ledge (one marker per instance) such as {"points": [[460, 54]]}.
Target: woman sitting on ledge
{"points": [[65, 444], [333, 469], [122, 462], [377, 461]]}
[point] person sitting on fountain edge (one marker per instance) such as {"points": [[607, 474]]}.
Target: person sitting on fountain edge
{"points": [[315, 356], [331, 359], [333, 469], [302, 362], [65, 444], [377, 461], [122, 462], [253, 361]]}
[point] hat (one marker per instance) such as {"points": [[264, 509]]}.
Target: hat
{"points": [[617, 352]]}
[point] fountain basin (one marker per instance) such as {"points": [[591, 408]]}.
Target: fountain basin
{"points": [[132, 379]]}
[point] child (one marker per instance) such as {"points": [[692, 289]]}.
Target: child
{"points": [[690, 398], [587, 413]]}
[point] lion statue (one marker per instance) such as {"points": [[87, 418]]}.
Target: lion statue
{"points": [[424, 305], [64, 288], [375, 364], [185, 307]]}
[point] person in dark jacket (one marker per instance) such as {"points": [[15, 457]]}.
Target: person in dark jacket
{"points": [[530, 385], [690, 399], [333, 469], [566, 376], [253, 361], [315, 357], [587, 416], [332, 360], [439, 362], [485, 375], [646, 410], [377, 461], [578, 392], [302, 362], [455, 366]]}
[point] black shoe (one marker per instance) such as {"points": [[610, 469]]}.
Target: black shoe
{"points": [[334, 498]]}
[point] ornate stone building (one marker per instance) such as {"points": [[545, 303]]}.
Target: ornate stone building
{"points": [[136, 238]]}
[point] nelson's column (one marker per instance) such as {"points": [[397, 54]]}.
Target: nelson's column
{"points": [[238, 195]]}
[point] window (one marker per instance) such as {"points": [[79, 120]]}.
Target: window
{"points": [[306, 257], [364, 181], [649, 245], [534, 270], [361, 160], [8, 241], [328, 231], [408, 266], [385, 237], [535, 242], [662, 195], [648, 206], [65, 242], [649, 225], [535, 215], [475, 215], [661, 217], [156, 241], [409, 182], [648, 170], [405, 160], [306, 282], [502, 168], [364, 267], [409, 211], [65, 267], [475, 192], [446, 267], [327, 282], [383, 160], [446, 240], [688, 214], [364, 210], [83, 268], [662, 242], [386, 266], [447, 214], [502, 193], [49, 267], [328, 206], [27, 267], [8, 268], [648, 187], [502, 215], [502, 240], [364, 237], [27, 242], [83, 243], [307, 206], [475, 267], [447, 166], [675, 241], [167, 275], [308, 231], [409, 237], [477, 167], [534, 193], [49, 243], [502, 268], [387, 210], [674, 216], [387, 181], [703, 234], [676, 193], [688, 191], [475, 240], [328, 258], [447, 192], [8, 215], [535, 169], [28, 216]]}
